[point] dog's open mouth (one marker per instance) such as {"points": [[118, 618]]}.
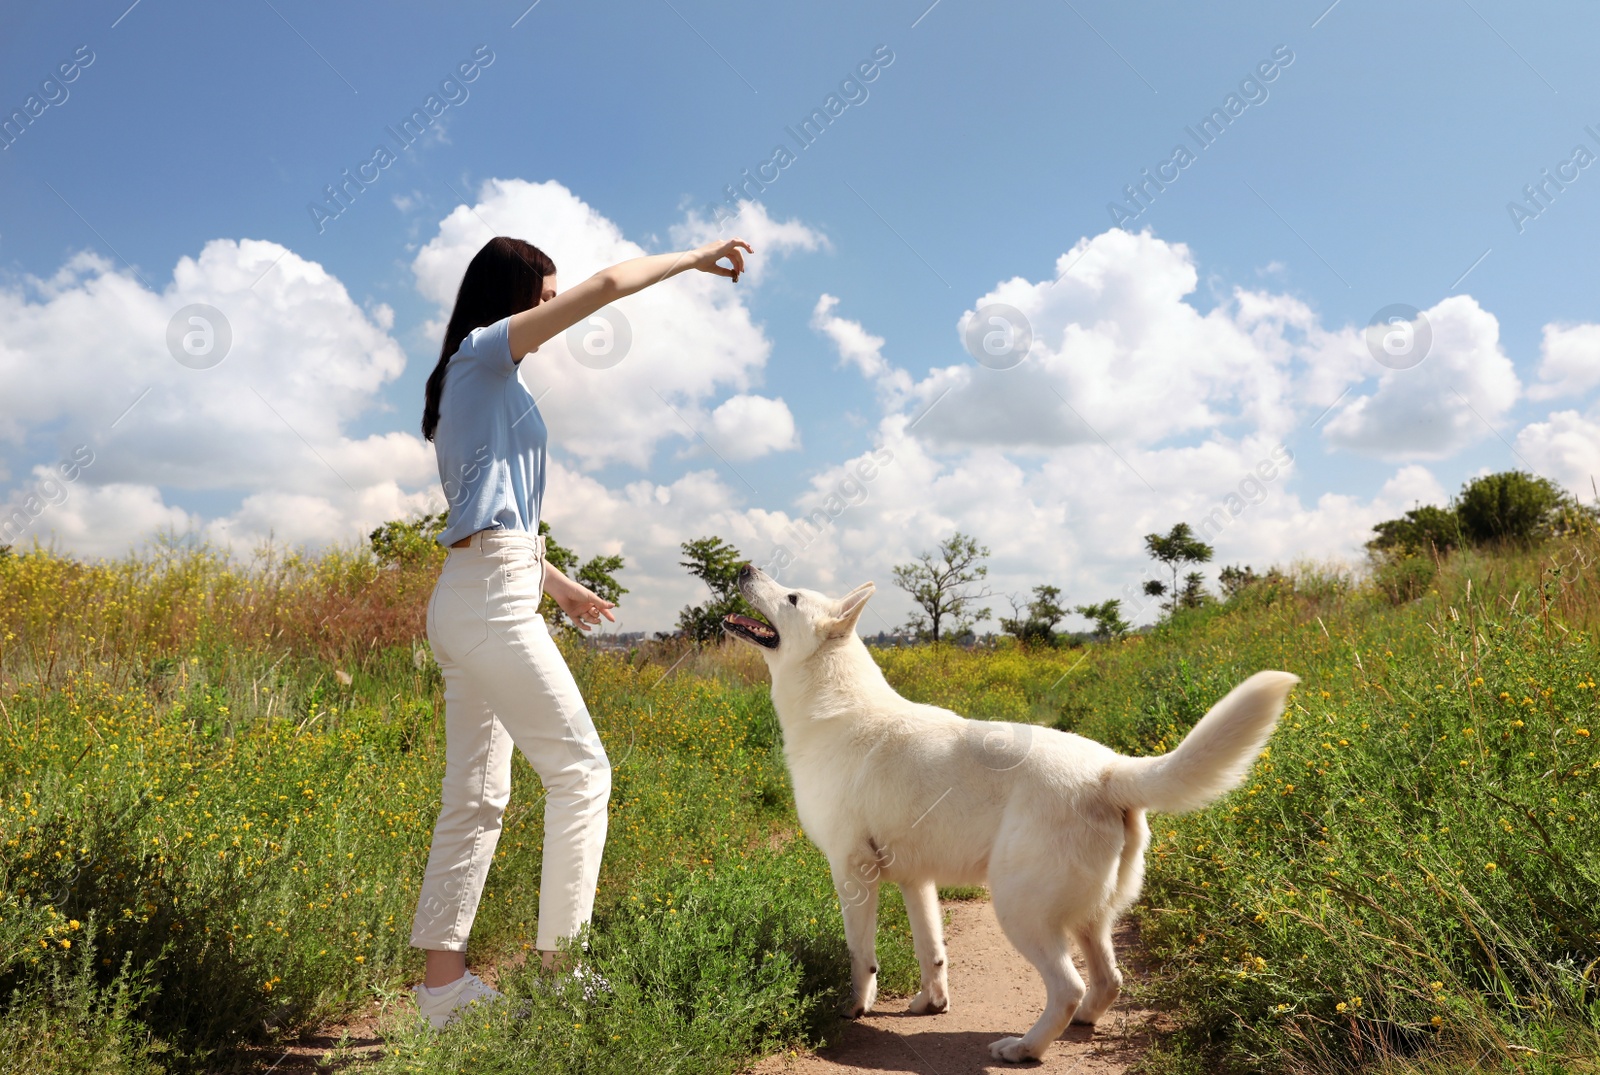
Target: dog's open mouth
{"points": [[751, 630]]}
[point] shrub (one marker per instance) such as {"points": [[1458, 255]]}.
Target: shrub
{"points": [[1404, 576], [1420, 530], [1510, 507]]}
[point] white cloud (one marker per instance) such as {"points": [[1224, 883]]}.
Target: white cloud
{"points": [[1569, 365], [88, 520], [1118, 352], [693, 339], [744, 427], [1566, 448], [1455, 397], [85, 356], [859, 348]]}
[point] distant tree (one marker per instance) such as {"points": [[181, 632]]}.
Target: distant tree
{"points": [[1034, 623], [943, 586], [408, 541], [1107, 617], [716, 563], [1422, 529], [1177, 546], [1512, 506], [1193, 594], [1235, 580]]}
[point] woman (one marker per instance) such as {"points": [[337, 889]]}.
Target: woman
{"points": [[505, 682]]}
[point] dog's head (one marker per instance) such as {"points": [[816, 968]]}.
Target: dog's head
{"points": [[795, 624]]}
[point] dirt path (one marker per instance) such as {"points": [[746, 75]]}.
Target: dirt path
{"points": [[994, 992]]}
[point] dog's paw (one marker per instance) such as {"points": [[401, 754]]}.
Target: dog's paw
{"points": [[856, 1007], [1011, 1050], [922, 1004]]}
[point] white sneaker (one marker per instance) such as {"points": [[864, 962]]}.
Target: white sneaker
{"points": [[440, 1007], [593, 983]]}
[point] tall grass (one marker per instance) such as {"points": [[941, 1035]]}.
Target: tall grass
{"points": [[209, 839]]}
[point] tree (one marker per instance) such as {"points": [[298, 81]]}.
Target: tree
{"points": [[716, 563], [1193, 594], [1038, 626], [942, 584], [1422, 529], [1107, 617], [1235, 580], [1512, 506], [408, 541], [1177, 546]]}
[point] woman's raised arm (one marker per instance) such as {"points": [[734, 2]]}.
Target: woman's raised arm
{"points": [[530, 328]]}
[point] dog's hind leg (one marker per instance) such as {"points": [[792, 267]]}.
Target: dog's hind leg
{"points": [[1105, 980], [1037, 931], [927, 934], [858, 901]]}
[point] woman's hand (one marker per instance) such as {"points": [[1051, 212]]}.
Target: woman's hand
{"points": [[706, 258], [576, 600], [584, 608]]}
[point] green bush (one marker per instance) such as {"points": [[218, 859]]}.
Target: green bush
{"points": [[1512, 507], [1404, 576]]}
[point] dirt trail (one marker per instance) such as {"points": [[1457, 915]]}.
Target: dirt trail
{"points": [[994, 992]]}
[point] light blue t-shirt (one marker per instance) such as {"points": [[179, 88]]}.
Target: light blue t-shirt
{"points": [[490, 440]]}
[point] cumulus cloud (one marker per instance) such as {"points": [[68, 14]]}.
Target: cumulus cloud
{"points": [[1455, 397], [745, 427], [1569, 364], [692, 338], [1118, 352], [1566, 448], [85, 355]]}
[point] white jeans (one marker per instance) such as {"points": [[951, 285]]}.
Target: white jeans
{"points": [[505, 685]]}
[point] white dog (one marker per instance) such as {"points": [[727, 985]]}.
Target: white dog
{"points": [[913, 794]]}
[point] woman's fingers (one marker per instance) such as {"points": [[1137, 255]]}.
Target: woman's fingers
{"points": [[729, 249]]}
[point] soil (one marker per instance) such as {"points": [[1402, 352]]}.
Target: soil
{"points": [[994, 993]]}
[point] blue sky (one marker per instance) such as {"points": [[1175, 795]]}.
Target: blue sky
{"points": [[1375, 168]]}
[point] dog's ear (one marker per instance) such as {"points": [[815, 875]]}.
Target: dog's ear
{"points": [[850, 606]]}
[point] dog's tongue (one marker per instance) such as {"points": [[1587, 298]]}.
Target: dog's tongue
{"points": [[748, 623]]}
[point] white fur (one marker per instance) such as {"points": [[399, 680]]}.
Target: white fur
{"points": [[1054, 823]]}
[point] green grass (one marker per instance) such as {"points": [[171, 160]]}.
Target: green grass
{"points": [[209, 842]]}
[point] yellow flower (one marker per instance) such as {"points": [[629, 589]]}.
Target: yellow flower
{"points": [[1436, 1021], [1491, 867]]}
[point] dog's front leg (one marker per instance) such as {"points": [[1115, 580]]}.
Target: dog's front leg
{"points": [[858, 901]]}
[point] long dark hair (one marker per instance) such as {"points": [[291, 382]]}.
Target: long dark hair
{"points": [[504, 278]]}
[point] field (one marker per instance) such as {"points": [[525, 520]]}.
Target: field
{"points": [[217, 784]]}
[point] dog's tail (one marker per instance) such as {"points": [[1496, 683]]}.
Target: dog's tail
{"points": [[1212, 759]]}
